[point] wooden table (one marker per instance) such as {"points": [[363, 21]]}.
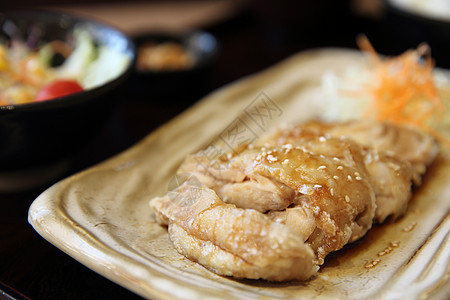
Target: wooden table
{"points": [[252, 37]]}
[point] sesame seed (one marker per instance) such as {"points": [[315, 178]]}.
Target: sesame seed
{"points": [[301, 148], [286, 161], [410, 227], [336, 177], [372, 264], [340, 168], [336, 159], [322, 139], [349, 178], [347, 198], [332, 192], [321, 167], [357, 174], [393, 166], [385, 251], [317, 186], [395, 244], [358, 178], [272, 158]]}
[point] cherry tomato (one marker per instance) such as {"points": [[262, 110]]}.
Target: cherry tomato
{"points": [[58, 88]]}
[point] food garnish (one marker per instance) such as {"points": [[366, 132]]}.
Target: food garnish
{"points": [[403, 89], [27, 73]]}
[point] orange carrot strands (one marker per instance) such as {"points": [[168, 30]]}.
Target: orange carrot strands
{"points": [[366, 46], [403, 90]]}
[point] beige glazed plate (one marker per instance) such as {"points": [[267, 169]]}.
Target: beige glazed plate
{"points": [[101, 216]]}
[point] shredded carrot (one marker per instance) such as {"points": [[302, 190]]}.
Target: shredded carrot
{"points": [[403, 90]]}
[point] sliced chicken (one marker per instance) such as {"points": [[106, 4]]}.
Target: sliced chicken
{"points": [[232, 241], [273, 180], [390, 173], [343, 208], [234, 186], [275, 209], [406, 142]]}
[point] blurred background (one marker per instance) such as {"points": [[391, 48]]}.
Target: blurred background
{"points": [[252, 36]]}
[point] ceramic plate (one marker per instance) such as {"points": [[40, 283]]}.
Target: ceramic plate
{"points": [[101, 216]]}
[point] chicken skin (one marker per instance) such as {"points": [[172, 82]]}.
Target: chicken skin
{"points": [[232, 241], [274, 209], [402, 141], [395, 156]]}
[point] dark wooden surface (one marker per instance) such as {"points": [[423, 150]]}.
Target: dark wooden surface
{"points": [[263, 34]]}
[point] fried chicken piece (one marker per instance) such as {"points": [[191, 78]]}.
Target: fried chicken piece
{"points": [[390, 175], [233, 186], [392, 179], [259, 193], [340, 209], [306, 190], [343, 209], [232, 241], [403, 141]]}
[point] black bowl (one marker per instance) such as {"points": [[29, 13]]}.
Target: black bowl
{"points": [[37, 133], [181, 86]]}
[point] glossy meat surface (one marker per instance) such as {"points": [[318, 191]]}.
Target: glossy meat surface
{"points": [[395, 157], [233, 241], [276, 208]]}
